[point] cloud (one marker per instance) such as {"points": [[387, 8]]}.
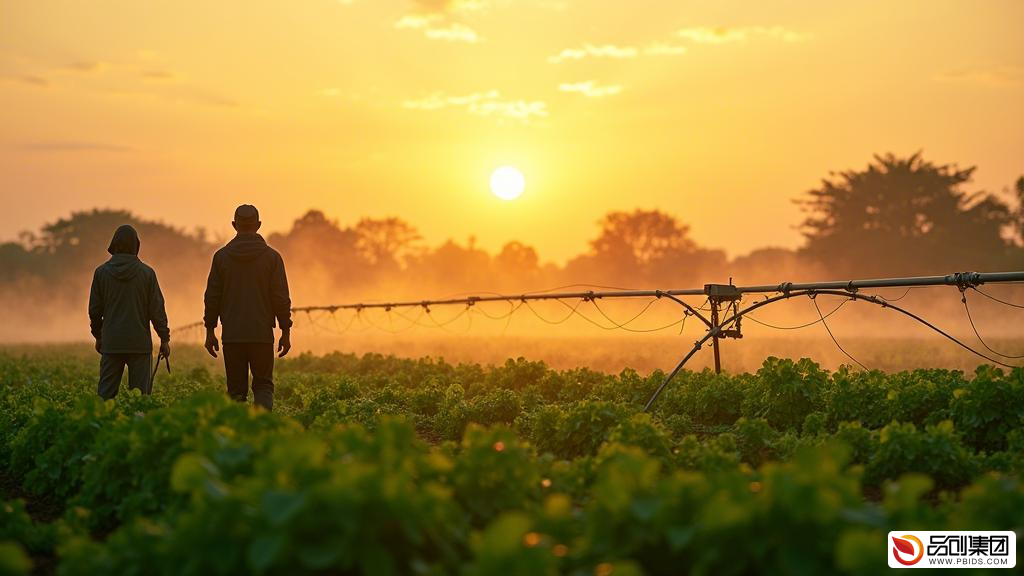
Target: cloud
{"points": [[439, 19], [438, 27], [438, 100], [996, 76], [177, 94], [157, 75], [449, 6], [517, 109], [454, 32], [29, 79], [73, 146], [481, 104], [146, 76], [664, 49], [594, 51], [591, 89], [83, 67], [617, 52], [725, 35]]}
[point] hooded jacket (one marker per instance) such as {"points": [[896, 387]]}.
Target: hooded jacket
{"points": [[247, 290], [125, 298]]}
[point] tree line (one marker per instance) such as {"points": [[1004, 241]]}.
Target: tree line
{"points": [[896, 216]]}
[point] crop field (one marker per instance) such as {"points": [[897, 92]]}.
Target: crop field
{"points": [[380, 465]]}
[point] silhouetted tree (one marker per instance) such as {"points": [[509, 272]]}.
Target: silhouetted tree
{"points": [[904, 216], [1019, 188], [517, 266], [385, 242], [645, 235], [324, 254], [70, 248], [643, 246], [16, 261], [451, 267]]}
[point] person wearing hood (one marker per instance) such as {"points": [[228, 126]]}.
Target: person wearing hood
{"points": [[248, 291], [124, 300]]}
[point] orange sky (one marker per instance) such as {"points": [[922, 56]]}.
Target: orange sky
{"points": [[718, 112]]}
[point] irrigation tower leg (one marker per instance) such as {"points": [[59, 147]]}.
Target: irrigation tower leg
{"points": [[714, 342]]}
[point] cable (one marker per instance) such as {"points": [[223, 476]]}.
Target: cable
{"points": [[990, 297], [512, 309], [573, 310], [627, 322], [829, 330], [348, 326], [444, 325], [756, 321], [909, 288], [413, 323], [555, 322], [508, 320], [623, 326], [557, 288], [312, 323], [980, 339]]}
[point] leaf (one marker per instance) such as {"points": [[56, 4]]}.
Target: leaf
{"points": [[280, 507], [319, 556], [644, 508], [188, 473], [376, 560], [903, 546], [263, 550], [680, 536]]}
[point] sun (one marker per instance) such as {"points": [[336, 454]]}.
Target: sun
{"points": [[507, 182]]}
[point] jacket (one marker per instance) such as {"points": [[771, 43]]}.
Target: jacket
{"points": [[124, 299], [247, 291]]}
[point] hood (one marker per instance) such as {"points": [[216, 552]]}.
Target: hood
{"points": [[246, 247], [124, 267], [125, 241]]}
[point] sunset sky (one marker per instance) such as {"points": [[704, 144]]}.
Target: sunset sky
{"points": [[717, 112]]}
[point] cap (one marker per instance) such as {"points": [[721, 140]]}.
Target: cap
{"points": [[247, 213]]}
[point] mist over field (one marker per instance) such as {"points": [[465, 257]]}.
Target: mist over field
{"points": [[854, 228]]}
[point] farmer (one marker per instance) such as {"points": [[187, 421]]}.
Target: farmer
{"points": [[125, 298], [248, 290]]}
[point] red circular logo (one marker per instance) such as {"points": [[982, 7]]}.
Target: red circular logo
{"points": [[903, 545]]}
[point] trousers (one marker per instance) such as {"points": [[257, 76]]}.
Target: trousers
{"points": [[112, 368], [241, 358]]}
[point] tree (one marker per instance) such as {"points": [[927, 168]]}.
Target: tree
{"points": [[517, 266], [385, 242], [451, 267], [643, 235], [324, 254], [517, 258], [70, 248], [904, 216], [643, 246], [1019, 189]]}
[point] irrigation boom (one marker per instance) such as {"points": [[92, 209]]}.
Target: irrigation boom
{"points": [[957, 279], [721, 298]]}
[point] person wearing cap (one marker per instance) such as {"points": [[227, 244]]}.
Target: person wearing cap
{"points": [[124, 300], [248, 291]]}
